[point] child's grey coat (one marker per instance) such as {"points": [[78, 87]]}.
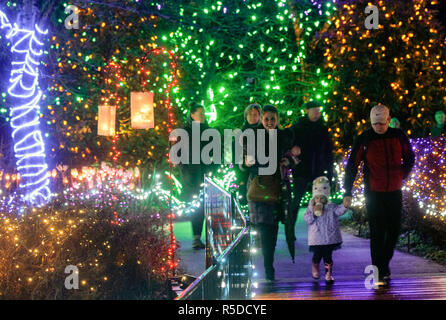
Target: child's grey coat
{"points": [[324, 230]]}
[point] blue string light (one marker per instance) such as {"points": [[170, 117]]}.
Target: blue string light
{"points": [[29, 146]]}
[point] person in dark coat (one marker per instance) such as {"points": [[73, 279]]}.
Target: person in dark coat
{"points": [[316, 152], [193, 174], [252, 120], [265, 216]]}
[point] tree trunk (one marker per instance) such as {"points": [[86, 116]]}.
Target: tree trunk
{"points": [[29, 15]]}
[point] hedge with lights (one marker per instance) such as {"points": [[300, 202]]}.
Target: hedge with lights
{"points": [[119, 243]]}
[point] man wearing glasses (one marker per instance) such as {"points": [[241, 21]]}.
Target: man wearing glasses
{"points": [[388, 159]]}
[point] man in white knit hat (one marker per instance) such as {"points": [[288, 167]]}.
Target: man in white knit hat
{"points": [[388, 159]]}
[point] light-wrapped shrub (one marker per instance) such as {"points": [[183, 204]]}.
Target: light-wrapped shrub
{"points": [[120, 254]]}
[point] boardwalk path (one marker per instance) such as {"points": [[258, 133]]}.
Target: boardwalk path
{"points": [[413, 277]]}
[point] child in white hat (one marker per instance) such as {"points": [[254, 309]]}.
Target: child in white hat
{"points": [[324, 235]]}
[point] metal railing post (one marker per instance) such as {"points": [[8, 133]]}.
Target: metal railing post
{"points": [[228, 275]]}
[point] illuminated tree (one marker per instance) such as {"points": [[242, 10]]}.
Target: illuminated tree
{"points": [[224, 54], [402, 65], [24, 38], [236, 53], [113, 53]]}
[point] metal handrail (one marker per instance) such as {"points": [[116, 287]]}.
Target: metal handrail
{"points": [[187, 293], [218, 187], [189, 290], [233, 264]]}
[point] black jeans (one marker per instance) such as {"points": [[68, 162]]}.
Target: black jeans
{"points": [[197, 219], [320, 252], [384, 211], [268, 239], [192, 179]]}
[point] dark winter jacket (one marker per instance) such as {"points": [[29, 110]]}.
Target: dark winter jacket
{"points": [[284, 143], [242, 175], [388, 159], [245, 126], [193, 174], [262, 212], [316, 147]]}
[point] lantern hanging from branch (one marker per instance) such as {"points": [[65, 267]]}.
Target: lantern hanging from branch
{"points": [[106, 120], [142, 110]]}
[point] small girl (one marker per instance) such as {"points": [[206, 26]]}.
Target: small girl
{"points": [[324, 235]]}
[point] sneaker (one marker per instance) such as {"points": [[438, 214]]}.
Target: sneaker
{"points": [[381, 283], [197, 244]]}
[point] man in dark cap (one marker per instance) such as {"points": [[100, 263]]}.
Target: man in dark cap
{"points": [[316, 147]]}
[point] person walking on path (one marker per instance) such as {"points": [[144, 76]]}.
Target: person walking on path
{"points": [[264, 190], [253, 119], [388, 159], [193, 174], [316, 152], [324, 234], [252, 116], [439, 127]]}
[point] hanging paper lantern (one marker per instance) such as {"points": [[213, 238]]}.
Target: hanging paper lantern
{"points": [[142, 110], [106, 120]]}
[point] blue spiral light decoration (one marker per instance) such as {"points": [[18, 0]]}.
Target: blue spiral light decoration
{"points": [[29, 147]]}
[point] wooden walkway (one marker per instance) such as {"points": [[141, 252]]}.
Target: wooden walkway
{"points": [[413, 277], [407, 288]]}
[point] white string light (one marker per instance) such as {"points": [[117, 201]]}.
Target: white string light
{"points": [[29, 146]]}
